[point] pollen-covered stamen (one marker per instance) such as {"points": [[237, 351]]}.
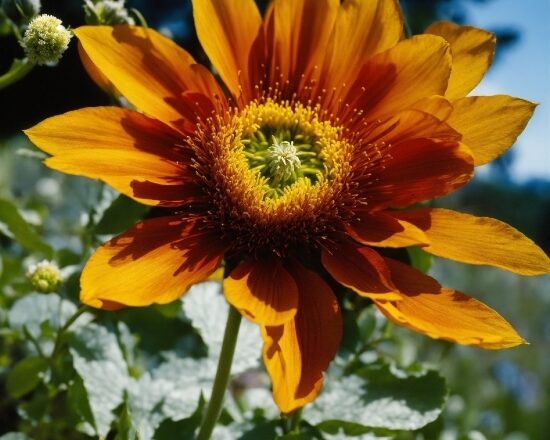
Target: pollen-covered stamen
{"points": [[283, 161]]}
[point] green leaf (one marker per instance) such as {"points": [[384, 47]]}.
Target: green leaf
{"points": [[420, 259], [122, 214], [380, 396], [18, 228], [181, 429], [25, 376], [78, 400], [34, 309], [98, 360]]}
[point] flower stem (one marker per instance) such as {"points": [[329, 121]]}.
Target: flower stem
{"points": [[18, 70], [295, 420], [64, 329], [222, 374]]}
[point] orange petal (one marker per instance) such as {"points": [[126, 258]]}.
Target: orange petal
{"points": [[441, 313], [359, 268], [490, 124], [138, 156], [156, 261], [396, 79], [419, 170], [150, 70], [226, 33], [361, 30], [263, 291], [297, 353], [477, 240], [472, 50], [383, 230], [301, 31], [98, 77]]}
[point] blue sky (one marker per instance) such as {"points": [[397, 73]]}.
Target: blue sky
{"points": [[523, 71]]}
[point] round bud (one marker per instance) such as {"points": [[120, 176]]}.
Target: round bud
{"points": [[21, 10], [45, 276], [45, 40]]}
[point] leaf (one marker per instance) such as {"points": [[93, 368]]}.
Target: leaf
{"points": [[381, 396], [181, 429], [25, 376], [120, 215], [207, 309], [18, 228], [33, 310], [98, 360]]}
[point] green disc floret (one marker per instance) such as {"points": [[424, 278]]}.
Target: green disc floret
{"points": [[283, 156]]}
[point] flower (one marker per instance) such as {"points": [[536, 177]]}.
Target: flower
{"points": [[333, 128], [45, 40], [45, 276]]}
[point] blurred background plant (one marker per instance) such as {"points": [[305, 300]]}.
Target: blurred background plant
{"points": [[144, 371]]}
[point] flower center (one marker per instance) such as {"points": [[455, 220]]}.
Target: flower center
{"points": [[284, 145]]}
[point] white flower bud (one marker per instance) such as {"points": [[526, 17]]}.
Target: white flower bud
{"points": [[45, 40], [111, 12], [45, 276]]}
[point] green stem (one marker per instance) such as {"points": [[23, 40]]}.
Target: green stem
{"points": [[64, 329], [295, 420], [18, 70], [222, 374]]}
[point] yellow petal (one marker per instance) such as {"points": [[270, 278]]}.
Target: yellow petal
{"points": [[396, 79], [441, 313], [98, 77], [477, 240], [472, 50], [435, 105], [226, 32], [136, 155], [297, 353], [490, 124], [150, 70], [381, 27], [156, 261], [263, 291]]}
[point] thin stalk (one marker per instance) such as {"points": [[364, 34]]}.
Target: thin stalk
{"points": [[18, 70], [222, 374], [64, 329], [295, 419]]}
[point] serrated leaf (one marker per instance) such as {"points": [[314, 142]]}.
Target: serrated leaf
{"points": [[98, 360], [382, 397], [33, 310], [120, 215], [25, 376], [22, 232], [207, 309]]}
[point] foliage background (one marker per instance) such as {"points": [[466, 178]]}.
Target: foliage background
{"points": [[494, 395]]}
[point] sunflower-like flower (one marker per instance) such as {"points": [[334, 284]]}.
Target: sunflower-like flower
{"points": [[298, 170]]}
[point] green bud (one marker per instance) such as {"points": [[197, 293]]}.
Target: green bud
{"points": [[21, 10], [110, 12], [45, 40], [45, 276]]}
